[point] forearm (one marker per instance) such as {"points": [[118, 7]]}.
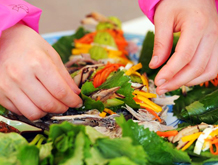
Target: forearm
{"points": [[14, 11]]}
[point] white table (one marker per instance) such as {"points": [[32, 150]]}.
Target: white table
{"points": [[139, 26]]}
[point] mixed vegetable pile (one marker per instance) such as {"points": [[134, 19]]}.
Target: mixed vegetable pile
{"points": [[122, 120]]}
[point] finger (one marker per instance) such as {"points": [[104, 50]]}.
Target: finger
{"points": [[211, 70], [184, 52], [5, 102], [163, 41], [41, 97], [24, 104], [51, 79], [195, 68], [62, 69]]}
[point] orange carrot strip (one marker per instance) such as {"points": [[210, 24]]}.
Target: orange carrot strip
{"points": [[212, 149], [167, 133]]}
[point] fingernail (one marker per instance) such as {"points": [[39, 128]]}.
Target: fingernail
{"points": [[154, 61], [162, 91], [160, 82], [80, 105]]}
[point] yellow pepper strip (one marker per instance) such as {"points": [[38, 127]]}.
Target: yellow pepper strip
{"points": [[133, 69], [213, 133], [153, 106], [191, 137], [136, 73], [145, 81], [79, 51], [121, 60], [83, 46], [103, 114], [188, 145], [144, 105], [145, 94], [114, 52], [109, 111]]}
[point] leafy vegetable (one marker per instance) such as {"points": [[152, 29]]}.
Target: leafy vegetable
{"points": [[147, 51], [202, 110], [117, 79], [20, 152], [65, 44], [193, 95], [159, 151], [3, 110]]}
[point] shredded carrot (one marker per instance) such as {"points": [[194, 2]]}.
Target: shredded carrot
{"points": [[213, 81], [167, 133], [101, 75], [86, 39], [153, 113], [212, 149]]}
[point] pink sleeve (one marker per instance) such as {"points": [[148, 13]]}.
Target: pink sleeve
{"points": [[14, 11], [148, 7]]}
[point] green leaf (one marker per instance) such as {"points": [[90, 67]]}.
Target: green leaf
{"points": [[3, 110], [193, 95], [28, 155], [159, 151], [119, 79], [118, 147], [11, 143], [77, 157], [203, 110], [65, 44], [93, 134], [147, 51], [122, 161], [89, 103]]}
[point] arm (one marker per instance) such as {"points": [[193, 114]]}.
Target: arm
{"points": [[148, 7], [13, 12]]}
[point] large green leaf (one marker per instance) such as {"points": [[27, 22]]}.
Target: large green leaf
{"points": [[193, 95], [65, 44], [159, 151], [146, 54], [203, 110]]}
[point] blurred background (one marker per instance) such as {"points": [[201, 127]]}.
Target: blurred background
{"points": [[64, 15]]}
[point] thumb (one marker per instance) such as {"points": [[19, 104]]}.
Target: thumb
{"points": [[163, 39]]}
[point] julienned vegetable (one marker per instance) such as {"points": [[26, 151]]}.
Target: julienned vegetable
{"points": [[198, 139]]}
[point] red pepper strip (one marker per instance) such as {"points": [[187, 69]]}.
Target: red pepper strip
{"points": [[167, 133], [212, 149]]}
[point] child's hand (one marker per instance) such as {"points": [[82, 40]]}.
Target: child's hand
{"points": [[196, 56], [33, 79]]}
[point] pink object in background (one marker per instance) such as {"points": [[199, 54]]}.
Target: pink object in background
{"points": [[14, 11], [148, 7]]}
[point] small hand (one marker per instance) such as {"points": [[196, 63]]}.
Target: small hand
{"points": [[33, 78], [196, 55]]}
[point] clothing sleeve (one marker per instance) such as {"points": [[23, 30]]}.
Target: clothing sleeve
{"points": [[14, 11], [148, 7]]}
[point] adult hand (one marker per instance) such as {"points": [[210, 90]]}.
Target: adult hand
{"points": [[33, 79], [196, 55]]}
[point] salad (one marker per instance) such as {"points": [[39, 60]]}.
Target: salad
{"points": [[122, 120]]}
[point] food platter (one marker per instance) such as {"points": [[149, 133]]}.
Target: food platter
{"points": [[120, 108]]}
